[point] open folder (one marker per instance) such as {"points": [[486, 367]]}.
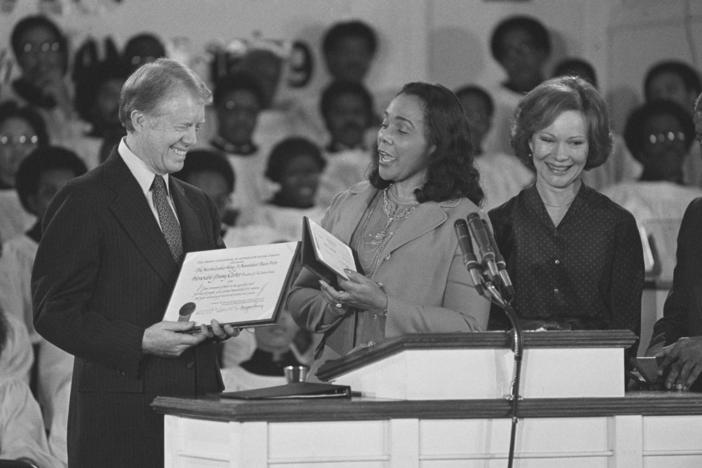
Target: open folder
{"points": [[292, 390], [324, 254]]}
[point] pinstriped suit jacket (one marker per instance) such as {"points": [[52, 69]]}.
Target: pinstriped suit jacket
{"points": [[103, 274]]}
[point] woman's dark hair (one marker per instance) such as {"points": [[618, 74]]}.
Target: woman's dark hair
{"points": [[573, 66], [38, 21], [532, 26], [542, 106], [355, 28], [687, 74], [450, 170], [480, 92], [11, 110], [238, 81], [203, 160], [39, 161], [634, 130], [287, 149], [339, 88]]}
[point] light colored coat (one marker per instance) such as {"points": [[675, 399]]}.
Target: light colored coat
{"points": [[428, 287]]}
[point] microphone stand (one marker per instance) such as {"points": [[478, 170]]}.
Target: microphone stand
{"points": [[517, 348]]}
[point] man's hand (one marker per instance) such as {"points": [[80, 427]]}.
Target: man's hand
{"points": [[222, 332], [170, 339], [683, 360]]}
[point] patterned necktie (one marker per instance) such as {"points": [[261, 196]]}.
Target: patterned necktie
{"points": [[169, 223]]}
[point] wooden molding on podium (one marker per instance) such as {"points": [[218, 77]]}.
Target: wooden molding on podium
{"points": [[556, 364]]}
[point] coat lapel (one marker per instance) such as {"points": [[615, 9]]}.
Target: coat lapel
{"points": [[132, 211], [426, 217]]}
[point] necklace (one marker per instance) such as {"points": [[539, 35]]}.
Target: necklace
{"points": [[393, 212]]}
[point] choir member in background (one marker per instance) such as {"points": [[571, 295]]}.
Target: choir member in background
{"points": [[140, 49], [295, 166], [22, 436], [676, 81], [502, 176], [41, 174], [575, 256], [42, 53], [659, 134], [521, 45], [238, 101], [677, 337], [347, 109], [400, 223], [22, 130], [210, 171]]}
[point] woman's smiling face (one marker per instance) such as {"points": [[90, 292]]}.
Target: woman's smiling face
{"points": [[560, 150]]}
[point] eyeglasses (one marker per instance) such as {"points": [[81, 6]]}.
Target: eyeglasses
{"points": [[660, 138], [29, 48], [23, 140]]}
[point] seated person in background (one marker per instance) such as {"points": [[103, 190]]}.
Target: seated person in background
{"points": [[279, 117], [42, 53], [140, 49], [679, 82], [502, 176], [97, 100], [575, 256], [274, 348], [100, 105], [677, 337], [295, 165], [41, 174], [620, 166], [210, 171], [347, 109], [400, 224], [521, 45], [238, 101], [659, 134], [22, 435], [348, 49], [21, 130]]}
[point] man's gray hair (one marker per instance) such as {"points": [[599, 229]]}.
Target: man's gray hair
{"points": [[152, 83]]}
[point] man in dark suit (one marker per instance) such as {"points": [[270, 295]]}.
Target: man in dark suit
{"points": [[677, 337], [105, 268]]}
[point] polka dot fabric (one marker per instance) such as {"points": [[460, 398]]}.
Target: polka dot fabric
{"points": [[586, 273]]}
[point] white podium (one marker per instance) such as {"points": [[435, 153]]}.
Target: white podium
{"points": [[556, 364]]}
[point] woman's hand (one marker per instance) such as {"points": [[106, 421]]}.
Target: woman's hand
{"points": [[358, 292]]}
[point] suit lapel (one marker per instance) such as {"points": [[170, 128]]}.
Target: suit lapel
{"points": [[132, 211]]}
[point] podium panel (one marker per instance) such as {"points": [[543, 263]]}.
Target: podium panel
{"points": [[556, 364]]}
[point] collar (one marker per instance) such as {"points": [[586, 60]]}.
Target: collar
{"points": [[138, 168], [244, 149]]}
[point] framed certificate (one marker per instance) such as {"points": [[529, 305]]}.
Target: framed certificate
{"points": [[244, 286]]}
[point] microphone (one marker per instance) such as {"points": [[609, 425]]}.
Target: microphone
{"points": [[480, 233], [500, 261], [469, 259]]}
